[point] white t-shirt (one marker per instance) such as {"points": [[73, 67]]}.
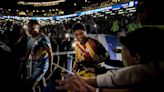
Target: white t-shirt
{"points": [[128, 76]]}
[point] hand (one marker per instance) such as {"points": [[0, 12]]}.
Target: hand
{"points": [[75, 84], [70, 83], [99, 58]]}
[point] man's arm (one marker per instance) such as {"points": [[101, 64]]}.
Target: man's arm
{"points": [[91, 81], [48, 48], [93, 87], [50, 57]]}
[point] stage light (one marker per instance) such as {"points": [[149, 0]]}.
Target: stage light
{"points": [[67, 35], [95, 25]]}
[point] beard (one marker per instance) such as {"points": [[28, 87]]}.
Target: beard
{"points": [[83, 41]]}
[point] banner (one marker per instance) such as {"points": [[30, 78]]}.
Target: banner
{"points": [[111, 44]]}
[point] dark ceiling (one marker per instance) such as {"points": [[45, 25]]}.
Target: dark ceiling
{"points": [[67, 6]]}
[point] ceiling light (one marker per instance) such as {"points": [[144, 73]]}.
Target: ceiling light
{"points": [[74, 4]]}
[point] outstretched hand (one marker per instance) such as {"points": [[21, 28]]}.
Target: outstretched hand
{"points": [[74, 83], [99, 58]]}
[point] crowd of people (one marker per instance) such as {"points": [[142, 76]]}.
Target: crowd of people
{"points": [[144, 58]]}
